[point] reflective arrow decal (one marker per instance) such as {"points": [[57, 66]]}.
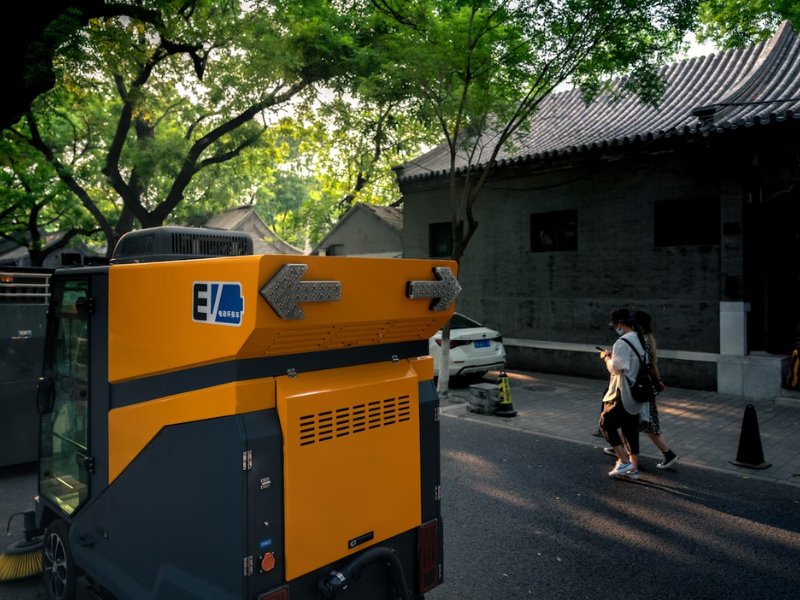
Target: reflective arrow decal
{"points": [[444, 290], [284, 292]]}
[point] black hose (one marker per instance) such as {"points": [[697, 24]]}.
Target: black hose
{"points": [[337, 581]]}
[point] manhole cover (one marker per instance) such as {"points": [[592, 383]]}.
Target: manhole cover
{"points": [[541, 389]]}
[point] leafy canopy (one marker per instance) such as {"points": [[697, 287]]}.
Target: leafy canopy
{"points": [[740, 23]]}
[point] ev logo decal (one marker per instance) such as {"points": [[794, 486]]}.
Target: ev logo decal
{"points": [[216, 302]]}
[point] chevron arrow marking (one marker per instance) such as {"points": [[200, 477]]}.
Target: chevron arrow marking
{"points": [[443, 290], [284, 292]]}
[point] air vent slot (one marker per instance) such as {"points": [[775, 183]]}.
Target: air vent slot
{"points": [[353, 420]]}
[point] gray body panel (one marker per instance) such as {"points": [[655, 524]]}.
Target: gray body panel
{"points": [[172, 525], [20, 369]]}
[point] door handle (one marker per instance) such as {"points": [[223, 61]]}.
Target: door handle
{"points": [[45, 395]]}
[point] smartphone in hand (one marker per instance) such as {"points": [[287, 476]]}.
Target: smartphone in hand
{"points": [[599, 349]]}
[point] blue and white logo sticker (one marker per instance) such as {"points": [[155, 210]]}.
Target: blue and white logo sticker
{"points": [[265, 544], [217, 302]]}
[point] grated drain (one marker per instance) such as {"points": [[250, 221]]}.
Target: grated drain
{"points": [[540, 389]]}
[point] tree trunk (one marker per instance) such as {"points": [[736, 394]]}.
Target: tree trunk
{"points": [[443, 387]]}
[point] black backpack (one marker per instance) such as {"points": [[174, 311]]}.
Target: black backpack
{"points": [[644, 388]]}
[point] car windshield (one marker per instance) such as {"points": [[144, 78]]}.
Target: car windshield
{"points": [[462, 322]]}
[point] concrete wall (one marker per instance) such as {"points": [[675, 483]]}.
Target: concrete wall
{"points": [[568, 296], [364, 233]]}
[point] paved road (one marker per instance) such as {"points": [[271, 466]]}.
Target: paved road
{"points": [[530, 517]]}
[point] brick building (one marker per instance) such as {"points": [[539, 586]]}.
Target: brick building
{"points": [[365, 230], [690, 212]]}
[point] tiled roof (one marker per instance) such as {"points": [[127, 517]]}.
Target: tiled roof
{"points": [[230, 219], [265, 241], [391, 215], [740, 86]]}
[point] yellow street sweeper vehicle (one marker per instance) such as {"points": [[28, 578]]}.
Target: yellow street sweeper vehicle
{"points": [[240, 427]]}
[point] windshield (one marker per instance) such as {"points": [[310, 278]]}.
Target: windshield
{"points": [[462, 322]]}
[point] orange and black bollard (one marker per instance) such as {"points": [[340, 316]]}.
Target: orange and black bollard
{"points": [[504, 407]]}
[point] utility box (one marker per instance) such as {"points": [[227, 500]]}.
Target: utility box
{"points": [[24, 297], [483, 398]]}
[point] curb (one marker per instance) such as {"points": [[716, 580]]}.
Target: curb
{"points": [[505, 425]]}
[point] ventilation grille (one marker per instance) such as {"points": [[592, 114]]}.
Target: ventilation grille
{"points": [[133, 245], [353, 420], [180, 243], [331, 337], [202, 244]]}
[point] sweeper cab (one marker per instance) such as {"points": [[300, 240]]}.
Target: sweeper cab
{"points": [[240, 427]]}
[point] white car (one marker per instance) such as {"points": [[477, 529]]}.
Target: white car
{"points": [[474, 349]]}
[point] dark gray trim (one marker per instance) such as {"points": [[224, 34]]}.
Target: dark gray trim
{"points": [[198, 378], [98, 383]]}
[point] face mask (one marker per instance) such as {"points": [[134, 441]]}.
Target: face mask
{"points": [[619, 331]]}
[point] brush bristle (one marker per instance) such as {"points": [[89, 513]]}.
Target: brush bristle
{"points": [[20, 566]]}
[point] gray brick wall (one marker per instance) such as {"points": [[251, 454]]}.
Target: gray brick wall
{"points": [[567, 296]]}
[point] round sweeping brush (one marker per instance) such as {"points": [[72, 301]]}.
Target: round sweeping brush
{"points": [[21, 560]]}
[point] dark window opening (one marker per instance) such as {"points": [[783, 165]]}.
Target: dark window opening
{"points": [[555, 231], [687, 222], [440, 240]]}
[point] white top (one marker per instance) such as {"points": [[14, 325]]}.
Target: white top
{"points": [[624, 368]]}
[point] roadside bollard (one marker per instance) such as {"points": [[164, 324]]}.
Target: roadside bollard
{"points": [[504, 407]]}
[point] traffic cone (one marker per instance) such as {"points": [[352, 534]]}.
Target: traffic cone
{"points": [[504, 408], [750, 453]]}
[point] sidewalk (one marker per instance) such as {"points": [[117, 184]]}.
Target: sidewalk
{"points": [[702, 428]]}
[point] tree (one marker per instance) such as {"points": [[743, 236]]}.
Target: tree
{"points": [[740, 23], [41, 31], [32, 201], [150, 109], [481, 68]]}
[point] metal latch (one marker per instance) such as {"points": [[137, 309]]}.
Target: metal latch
{"points": [[248, 566], [265, 483], [395, 359], [291, 373], [85, 306], [438, 493], [437, 413], [86, 463], [247, 460]]}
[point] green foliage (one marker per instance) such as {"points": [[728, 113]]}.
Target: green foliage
{"points": [[740, 23], [174, 112], [480, 68]]}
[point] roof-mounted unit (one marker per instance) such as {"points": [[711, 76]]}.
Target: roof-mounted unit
{"points": [[180, 243]]}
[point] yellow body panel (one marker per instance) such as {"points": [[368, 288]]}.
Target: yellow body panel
{"points": [[351, 460], [423, 365], [151, 330], [131, 428]]}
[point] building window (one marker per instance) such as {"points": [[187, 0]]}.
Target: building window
{"points": [[335, 250], [555, 231], [440, 240], [687, 222]]}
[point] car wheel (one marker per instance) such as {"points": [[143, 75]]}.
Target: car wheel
{"points": [[58, 565]]}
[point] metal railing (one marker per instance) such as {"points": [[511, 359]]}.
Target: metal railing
{"points": [[18, 287]]}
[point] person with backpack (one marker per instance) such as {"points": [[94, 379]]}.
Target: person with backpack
{"points": [[621, 410], [652, 426]]}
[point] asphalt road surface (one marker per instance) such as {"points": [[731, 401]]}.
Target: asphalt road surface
{"points": [[530, 517]]}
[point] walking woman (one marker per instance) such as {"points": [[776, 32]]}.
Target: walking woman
{"points": [[652, 427], [620, 410]]}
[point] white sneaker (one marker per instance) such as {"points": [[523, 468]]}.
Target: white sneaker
{"points": [[632, 474], [620, 469], [609, 451]]}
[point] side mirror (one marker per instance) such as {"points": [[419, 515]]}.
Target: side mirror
{"points": [[45, 395]]}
